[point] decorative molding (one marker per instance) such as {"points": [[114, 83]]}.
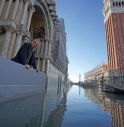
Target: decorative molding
{"points": [[110, 7]]}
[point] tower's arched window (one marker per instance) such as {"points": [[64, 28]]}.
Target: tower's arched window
{"points": [[119, 3], [113, 3], [116, 3]]}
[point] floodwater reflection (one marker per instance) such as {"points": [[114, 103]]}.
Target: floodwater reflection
{"points": [[66, 107]]}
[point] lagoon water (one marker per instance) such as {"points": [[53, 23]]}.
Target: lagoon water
{"points": [[71, 106]]}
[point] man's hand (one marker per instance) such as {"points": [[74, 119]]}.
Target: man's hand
{"points": [[27, 66]]}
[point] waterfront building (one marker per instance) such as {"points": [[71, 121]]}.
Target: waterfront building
{"points": [[108, 103], [96, 74], [23, 20], [114, 24]]}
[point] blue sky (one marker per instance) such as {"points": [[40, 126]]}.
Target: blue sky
{"points": [[86, 44]]}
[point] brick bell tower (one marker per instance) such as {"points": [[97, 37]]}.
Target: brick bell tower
{"points": [[114, 24]]}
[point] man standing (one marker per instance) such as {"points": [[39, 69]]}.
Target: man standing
{"points": [[26, 54]]}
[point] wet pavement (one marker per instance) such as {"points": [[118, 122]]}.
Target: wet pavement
{"points": [[70, 106]]}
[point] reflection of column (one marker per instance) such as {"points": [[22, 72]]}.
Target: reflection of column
{"points": [[24, 12], [11, 46], [6, 43], [15, 9], [8, 9], [17, 44], [30, 16], [1, 6]]}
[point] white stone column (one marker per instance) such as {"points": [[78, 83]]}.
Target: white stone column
{"points": [[6, 43], [1, 6], [19, 11], [8, 9], [49, 48], [46, 48], [24, 12], [30, 17], [44, 65], [15, 9], [42, 48], [17, 44], [11, 46]]}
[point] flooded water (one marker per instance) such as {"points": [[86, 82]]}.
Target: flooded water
{"points": [[70, 106]]}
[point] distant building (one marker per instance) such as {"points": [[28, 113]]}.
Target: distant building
{"points": [[96, 74], [114, 25]]}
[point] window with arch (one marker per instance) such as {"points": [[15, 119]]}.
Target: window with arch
{"points": [[113, 3], [123, 3], [116, 3], [119, 3]]}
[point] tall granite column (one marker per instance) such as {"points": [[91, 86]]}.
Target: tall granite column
{"points": [[2, 6], [6, 43]]}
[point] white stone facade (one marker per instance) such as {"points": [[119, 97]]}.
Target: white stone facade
{"points": [[16, 19]]}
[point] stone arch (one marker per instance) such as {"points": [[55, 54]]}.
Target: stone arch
{"points": [[41, 22], [45, 12]]}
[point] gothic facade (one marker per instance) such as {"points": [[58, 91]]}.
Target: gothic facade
{"points": [[23, 20]]}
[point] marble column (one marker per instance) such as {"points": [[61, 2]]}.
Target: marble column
{"points": [[42, 47], [8, 9], [17, 44], [6, 43], [24, 12], [2, 6], [44, 65], [30, 17], [19, 12], [38, 64], [11, 46], [15, 9], [46, 48], [49, 48]]}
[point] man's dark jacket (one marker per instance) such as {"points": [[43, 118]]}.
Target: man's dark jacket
{"points": [[26, 55]]}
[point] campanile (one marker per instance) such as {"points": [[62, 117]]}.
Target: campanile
{"points": [[114, 24]]}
